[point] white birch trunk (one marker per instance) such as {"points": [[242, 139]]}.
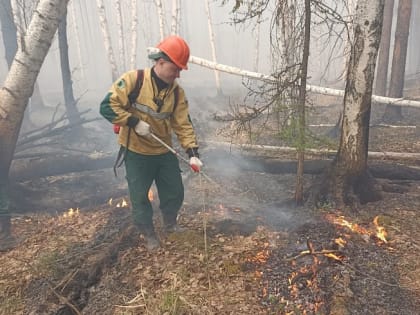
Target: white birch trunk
{"points": [[107, 39], [161, 18], [134, 23], [352, 152], [175, 17], [212, 45], [257, 44], [20, 81], [77, 37], [121, 40]]}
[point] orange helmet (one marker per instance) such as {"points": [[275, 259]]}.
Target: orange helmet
{"points": [[176, 49]]}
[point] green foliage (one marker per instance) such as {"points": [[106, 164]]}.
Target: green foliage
{"points": [[171, 303], [48, 265]]}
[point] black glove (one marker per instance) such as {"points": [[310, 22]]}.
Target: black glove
{"points": [[193, 152]]}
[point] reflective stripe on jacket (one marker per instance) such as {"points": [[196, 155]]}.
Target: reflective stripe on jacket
{"points": [[117, 109]]}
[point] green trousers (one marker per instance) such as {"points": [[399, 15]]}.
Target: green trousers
{"points": [[4, 200], [141, 171]]}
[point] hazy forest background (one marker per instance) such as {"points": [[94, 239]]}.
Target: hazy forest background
{"points": [[309, 196], [235, 45]]}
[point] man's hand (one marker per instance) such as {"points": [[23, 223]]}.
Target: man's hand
{"points": [[195, 164], [142, 128]]}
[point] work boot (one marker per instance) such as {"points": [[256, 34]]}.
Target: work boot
{"points": [[7, 241], [149, 236], [170, 225]]}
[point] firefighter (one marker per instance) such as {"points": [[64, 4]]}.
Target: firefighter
{"points": [[161, 107]]}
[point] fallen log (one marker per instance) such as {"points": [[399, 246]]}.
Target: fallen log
{"points": [[318, 152], [52, 164], [53, 194]]}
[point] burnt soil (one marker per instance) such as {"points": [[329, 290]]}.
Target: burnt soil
{"points": [[247, 248]]}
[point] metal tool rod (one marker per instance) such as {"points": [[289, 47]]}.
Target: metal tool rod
{"points": [[178, 155]]}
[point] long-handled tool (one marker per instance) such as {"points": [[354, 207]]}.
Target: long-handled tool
{"points": [[195, 169]]}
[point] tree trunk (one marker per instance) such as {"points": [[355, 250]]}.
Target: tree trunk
{"points": [[69, 101], [9, 30], [77, 39], [19, 83], [383, 58], [175, 17], [257, 44], [394, 113], [161, 17], [134, 23], [213, 47], [121, 39], [301, 105], [348, 182], [107, 39]]}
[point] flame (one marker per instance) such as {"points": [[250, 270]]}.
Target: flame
{"points": [[262, 256], [122, 204], [333, 256], [340, 242], [380, 230], [110, 201], [71, 212], [352, 226]]}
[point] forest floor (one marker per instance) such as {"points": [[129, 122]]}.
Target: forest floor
{"points": [[247, 248]]}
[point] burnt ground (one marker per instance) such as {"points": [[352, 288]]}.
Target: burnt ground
{"points": [[247, 248]]}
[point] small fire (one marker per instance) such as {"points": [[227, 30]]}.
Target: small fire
{"points": [[122, 204], [352, 226], [340, 242], [71, 212], [380, 230], [333, 256]]}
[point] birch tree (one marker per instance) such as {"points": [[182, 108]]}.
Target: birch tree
{"points": [[107, 39], [19, 83], [77, 38], [161, 18], [134, 23], [176, 9], [348, 181], [18, 15], [121, 40], [213, 46]]}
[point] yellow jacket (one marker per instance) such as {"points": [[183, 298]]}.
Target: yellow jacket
{"points": [[117, 109]]}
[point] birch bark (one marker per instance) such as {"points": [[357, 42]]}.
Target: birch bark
{"points": [[349, 181], [20, 81], [213, 46], [134, 23], [107, 39]]}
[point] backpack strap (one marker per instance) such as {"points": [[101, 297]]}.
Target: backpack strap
{"points": [[176, 97], [132, 96]]}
